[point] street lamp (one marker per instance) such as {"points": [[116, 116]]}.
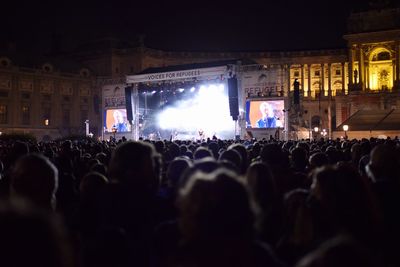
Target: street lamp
{"points": [[316, 129], [87, 127], [324, 133], [345, 129]]}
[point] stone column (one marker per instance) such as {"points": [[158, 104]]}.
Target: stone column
{"points": [[350, 68], [322, 87], [309, 79], [302, 79], [288, 81], [394, 72], [329, 79], [329, 101], [343, 77], [398, 64], [361, 67], [282, 76]]}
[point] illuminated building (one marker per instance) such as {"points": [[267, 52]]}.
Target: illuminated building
{"points": [[334, 84]]}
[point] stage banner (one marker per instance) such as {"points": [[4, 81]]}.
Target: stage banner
{"points": [[114, 96], [266, 82], [176, 75]]}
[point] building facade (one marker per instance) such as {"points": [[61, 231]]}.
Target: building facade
{"points": [[45, 102]]}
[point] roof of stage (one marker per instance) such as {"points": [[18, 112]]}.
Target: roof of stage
{"points": [[370, 120], [197, 66]]}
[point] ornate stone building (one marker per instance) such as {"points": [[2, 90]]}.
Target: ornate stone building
{"points": [[45, 101]]}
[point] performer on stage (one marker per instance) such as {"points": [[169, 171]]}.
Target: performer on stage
{"points": [[201, 134]]}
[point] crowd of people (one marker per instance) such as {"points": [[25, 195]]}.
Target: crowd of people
{"points": [[86, 203]]}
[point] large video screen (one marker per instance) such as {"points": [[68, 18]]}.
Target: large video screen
{"points": [[265, 114], [116, 118]]}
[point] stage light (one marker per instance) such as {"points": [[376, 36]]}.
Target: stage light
{"points": [[181, 90], [202, 89], [192, 89], [153, 92], [208, 110]]}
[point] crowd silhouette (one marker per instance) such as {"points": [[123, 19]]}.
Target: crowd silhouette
{"points": [[86, 203]]}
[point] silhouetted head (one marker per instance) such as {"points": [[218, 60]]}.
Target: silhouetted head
{"points": [[173, 150], [160, 146], [299, 158], [213, 146], [233, 156], [206, 165], [35, 178], [215, 206], [345, 200], [134, 163], [261, 184], [202, 152], [243, 154], [92, 184], [272, 154], [176, 169], [318, 159], [384, 163]]}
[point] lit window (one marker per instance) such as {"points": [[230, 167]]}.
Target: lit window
{"points": [[26, 115]]}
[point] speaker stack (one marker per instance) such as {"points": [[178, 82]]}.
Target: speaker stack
{"points": [[233, 97]]}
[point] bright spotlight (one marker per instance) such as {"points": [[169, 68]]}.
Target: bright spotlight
{"points": [[208, 110], [181, 90], [202, 89], [153, 92]]}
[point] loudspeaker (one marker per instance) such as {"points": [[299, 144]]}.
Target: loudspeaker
{"points": [[233, 98], [128, 103], [96, 104]]}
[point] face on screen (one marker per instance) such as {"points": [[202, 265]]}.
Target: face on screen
{"points": [[265, 114], [116, 118], [266, 110]]}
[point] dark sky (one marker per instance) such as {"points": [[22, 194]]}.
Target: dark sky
{"points": [[192, 25]]}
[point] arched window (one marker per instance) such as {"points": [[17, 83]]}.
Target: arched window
{"points": [[380, 69], [381, 56], [315, 121]]}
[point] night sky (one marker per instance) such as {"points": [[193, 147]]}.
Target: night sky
{"points": [[192, 25]]}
